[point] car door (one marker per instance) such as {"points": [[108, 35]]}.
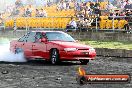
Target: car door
{"points": [[39, 48], [28, 44], [21, 42]]}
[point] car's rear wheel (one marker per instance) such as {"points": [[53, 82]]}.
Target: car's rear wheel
{"points": [[18, 51], [54, 56], [84, 62]]}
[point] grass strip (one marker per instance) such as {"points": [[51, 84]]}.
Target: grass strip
{"points": [[108, 44]]}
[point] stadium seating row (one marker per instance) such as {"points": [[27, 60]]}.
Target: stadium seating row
{"points": [[108, 24], [38, 22], [58, 23]]}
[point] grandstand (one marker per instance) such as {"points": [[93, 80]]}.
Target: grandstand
{"points": [[60, 18], [55, 19]]}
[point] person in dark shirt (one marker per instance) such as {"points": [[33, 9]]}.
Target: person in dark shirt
{"points": [[91, 5], [96, 5], [98, 11]]}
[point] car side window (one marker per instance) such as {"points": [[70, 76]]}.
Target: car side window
{"points": [[31, 37], [24, 38], [38, 36]]}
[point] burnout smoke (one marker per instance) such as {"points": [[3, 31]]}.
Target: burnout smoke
{"points": [[7, 56]]}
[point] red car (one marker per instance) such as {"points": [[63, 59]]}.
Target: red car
{"points": [[54, 46]]}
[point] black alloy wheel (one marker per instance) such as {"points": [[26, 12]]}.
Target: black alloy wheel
{"points": [[18, 51], [54, 56]]}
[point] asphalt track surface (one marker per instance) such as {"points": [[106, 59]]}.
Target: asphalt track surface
{"points": [[39, 74]]}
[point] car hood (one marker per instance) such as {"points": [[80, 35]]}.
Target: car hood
{"points": [[72, 44]]}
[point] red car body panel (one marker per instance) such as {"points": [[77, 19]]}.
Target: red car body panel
{"points": [[42, 49]]}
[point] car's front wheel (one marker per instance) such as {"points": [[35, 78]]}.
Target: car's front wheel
{"points": [[84, 62], [54, 56]]}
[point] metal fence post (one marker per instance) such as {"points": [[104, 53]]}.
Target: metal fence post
{"points": [[26, 23], [53, 23], [4, 24], [15, 27], [96, 24], [113, 23]]}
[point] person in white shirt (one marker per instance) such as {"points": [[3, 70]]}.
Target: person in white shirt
{"points": [[73, 23], [64, 5], [43, 13], [72, 26]]}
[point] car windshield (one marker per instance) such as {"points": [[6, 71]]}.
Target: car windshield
{"points": [[58, 36]]}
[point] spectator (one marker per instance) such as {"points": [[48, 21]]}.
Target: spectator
{"points": [[83, 25], [109, 6], [91, 12], [87, 10], [37, 13], [91, 5], [78, 8], [28, 12], [59, 6], [1, 18], [72, 23], [117, 13], [128, 13], [98, 11], [122, 14], [43, 13], [94, 21], [18, 3], [72, 26], [126, 26], [64, 5], [81, 16], [67, 5], [96, 5]]}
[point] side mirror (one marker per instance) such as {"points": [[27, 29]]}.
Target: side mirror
{"points": [[43, 40]]}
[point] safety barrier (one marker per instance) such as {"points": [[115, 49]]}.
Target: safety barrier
{"points": [[38, 22], [115, 23]]}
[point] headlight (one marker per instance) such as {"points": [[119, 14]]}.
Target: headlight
{"points": [[91, 49], [70, 49]]}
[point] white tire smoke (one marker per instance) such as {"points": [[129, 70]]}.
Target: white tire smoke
{"points": [[7, 56]]}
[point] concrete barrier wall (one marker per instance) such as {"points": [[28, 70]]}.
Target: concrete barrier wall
{"points": [[114, 52], [105, 36]]}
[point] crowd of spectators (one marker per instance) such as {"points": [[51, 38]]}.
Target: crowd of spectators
{"points": [[38, 12], [41, 13], [63, 5], [81, 8], [86, 12], [27, 12]]}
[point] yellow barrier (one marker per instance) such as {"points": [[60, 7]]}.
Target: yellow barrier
{"points": [[38, 22], [109, 24], [103, 24]]}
